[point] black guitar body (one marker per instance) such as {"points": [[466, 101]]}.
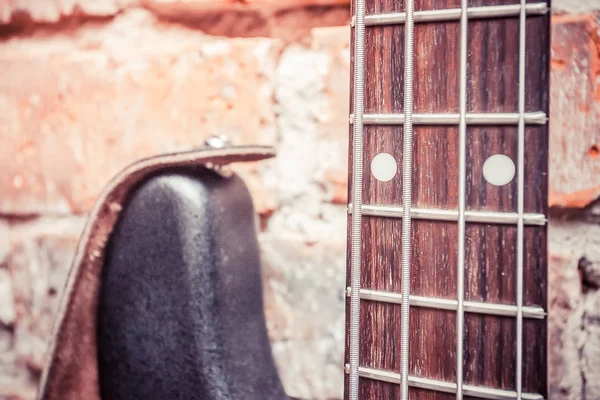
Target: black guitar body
{"points": [[181, 307]]}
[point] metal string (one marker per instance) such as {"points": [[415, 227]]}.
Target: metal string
{"points": [[357, 178], [407, 192], [462, 176], [520, 198]]}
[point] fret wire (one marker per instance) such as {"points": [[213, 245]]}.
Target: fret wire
{"points": [[453, 14], [481, 392], [462, 177], [531, 118], [407, 167], [474, 307], [357, 178], [520, 198], [428, 214]]}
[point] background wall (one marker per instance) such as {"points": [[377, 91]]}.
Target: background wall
{"points": [[88, 86]]}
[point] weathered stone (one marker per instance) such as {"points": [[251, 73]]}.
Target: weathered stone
{"points": [[590, 348], [7, 306], [304, 304], [311, 369], [578, 6], [574, 319], [30, 279], [16, 382], [78, 108], [4, 241], [567, 244], [574, 110], [590, 273], [41, 256], [311, 102], [303, 250], [333, 121], [590, 344]]}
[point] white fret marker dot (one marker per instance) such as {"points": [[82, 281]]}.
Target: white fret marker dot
{"points": [[499, 170], [383, 167]]}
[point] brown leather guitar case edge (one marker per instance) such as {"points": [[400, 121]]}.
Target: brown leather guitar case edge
{"points": [[164, 297]]}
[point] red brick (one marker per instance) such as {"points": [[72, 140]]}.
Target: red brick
{"points": [[241, 4], [79, 107], [574, 111], [51, 11], [288, 19]]}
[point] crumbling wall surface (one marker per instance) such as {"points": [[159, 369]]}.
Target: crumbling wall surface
{"points": [[574, 231], [84, 93], [87, 87]]}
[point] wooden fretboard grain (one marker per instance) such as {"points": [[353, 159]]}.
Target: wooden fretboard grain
{"points": [[489, 356]]}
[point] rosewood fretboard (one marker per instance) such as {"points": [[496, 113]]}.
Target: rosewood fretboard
{"points": [[499, 229]]}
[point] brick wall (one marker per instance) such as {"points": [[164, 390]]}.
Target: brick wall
{"points": [[88, 86]]}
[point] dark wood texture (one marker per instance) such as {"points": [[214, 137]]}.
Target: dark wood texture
{"points": [[489, 356]]}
